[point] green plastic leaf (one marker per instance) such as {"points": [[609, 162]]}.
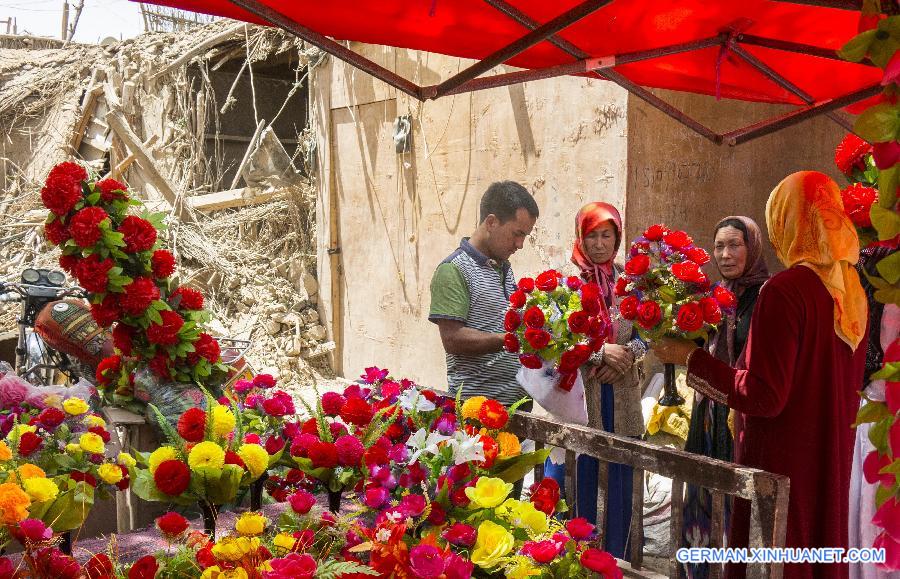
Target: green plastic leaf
{"points": [[889, 268], [872, 412], [890, 372], [878, 124], [878, 434], [885, 221], [882, 494], [515, 468], [857, 47], [153, 316], [888, 181]]}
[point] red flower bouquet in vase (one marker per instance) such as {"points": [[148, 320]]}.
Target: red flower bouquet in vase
{"points": [[555, 324], [667, 294]]}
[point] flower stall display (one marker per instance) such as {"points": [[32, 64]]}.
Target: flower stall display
{"points": [[555, 324], [855, 159], [118, 258], [666, 293], [205, 461]]}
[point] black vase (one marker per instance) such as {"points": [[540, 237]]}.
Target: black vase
{"points": [[210, 514], [670, 395], [334, 501], [256, 492], [65, 543]]}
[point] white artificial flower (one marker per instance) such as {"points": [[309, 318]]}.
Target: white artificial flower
{"points": [[412, 398], [424, 442], [466, 448], [383, 535]]}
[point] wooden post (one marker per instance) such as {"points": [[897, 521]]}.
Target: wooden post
{"points": [[65, 21], [676, 527]]}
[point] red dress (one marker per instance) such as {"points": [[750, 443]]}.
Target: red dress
{"points": [[797, 401]]}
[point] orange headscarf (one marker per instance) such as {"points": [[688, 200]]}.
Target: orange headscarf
{"points": [[808, 226], [589, 218]]}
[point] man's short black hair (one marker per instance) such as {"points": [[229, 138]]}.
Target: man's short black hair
{"points": [[504, 198]]}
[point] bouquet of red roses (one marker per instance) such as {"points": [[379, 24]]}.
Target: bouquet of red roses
{"points": [[665, 291], [556, 322]]}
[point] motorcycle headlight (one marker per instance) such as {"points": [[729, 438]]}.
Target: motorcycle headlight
{"points": [[56, 277], [31, 276]]}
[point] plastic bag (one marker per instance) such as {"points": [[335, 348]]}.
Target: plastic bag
{"points": [[171, 398], [14, 390], [541, 385]]}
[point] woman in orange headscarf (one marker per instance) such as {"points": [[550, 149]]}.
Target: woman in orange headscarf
{"points": [[796, 389]]}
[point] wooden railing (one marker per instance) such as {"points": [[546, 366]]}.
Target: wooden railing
{"points": [[767, 492]]}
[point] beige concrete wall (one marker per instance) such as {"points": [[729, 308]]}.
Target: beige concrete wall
{"points": [[680, 178], [399, 215]]}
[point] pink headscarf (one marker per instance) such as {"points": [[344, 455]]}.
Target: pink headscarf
{"points": [[589, 218]]}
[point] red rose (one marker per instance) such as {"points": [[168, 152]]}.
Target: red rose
{"points": [[187, 299], [545, 495], [649, 315], [601, 562], [677, 239], [139, 294], [69, 263], [56, 232], [579, 528], [573, 283], [512, 321], [493, 414], [547, 281], [274, 444], [567, 380], [574, 358], [620, 287], [161, 365], [591, 306], [29, 442], [579, 322], [534, 317], [638, 265], [93, 273], [712, 314], [172, 477], [690, 317], [323, 454], [725, 298], [541, 551], [163, 263], [491, 450], [205, 347], [689, 272], [850, 154], [234, 458], [85, 477], [125, 482], [599, 328], [858, 200], [144, 568], [357, 411], [140, 235], [537, 339], [628, 308], [62, 189], [165, 334], [655, 232], [85, 226], [526, 284], [107, 311], [108, 370], [531, 361], [99, 567], [110, 190], [698, 255], [511, 343], [192, 425], [172, 524], [51, 417], [460, 534], [518, 299], [123, 334], [264, 381]]}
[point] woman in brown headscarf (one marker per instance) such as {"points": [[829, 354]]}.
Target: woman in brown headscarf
{"points": [[738, 255], [796, 387]]}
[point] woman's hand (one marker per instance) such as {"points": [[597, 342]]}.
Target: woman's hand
{"points": [[605, 374], [673, 350], [618, 357]]}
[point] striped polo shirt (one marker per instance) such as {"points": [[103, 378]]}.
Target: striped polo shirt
{"points": [[473, 289]]}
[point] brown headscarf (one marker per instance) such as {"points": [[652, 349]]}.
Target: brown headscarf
{"points": [[589, 218], [808, 226], [755, 273]]}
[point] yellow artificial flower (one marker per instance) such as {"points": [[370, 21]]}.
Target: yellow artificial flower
{"points": [[522, 569], [488, 493], [5, 452], [159, 456], [74, 448], [509, 444], [284, 542], [264, 567], [250, 524], [28, 470], [40, 489], [13, 503], [216, 572], [126, 460], [110, 473], [472, 407], [90, 442], [255, 458], [18, 430], [206, 455], [524, 515], [75, 406], [223, 420], [493, 543], [234, 548], [92, 420]]}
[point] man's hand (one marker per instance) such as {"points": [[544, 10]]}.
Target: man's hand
{"points": [[458, 339], [605, 373], [673, 350], [619, 358]]}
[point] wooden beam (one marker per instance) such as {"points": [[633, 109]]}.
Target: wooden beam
{"points": [[233, 198], [119, 125], [199, 49], [87, 111]]}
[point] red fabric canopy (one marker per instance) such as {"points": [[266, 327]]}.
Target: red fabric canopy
{"points": [[475, 29]]}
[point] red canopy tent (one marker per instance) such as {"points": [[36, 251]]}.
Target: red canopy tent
{"points": [[774, 51]]}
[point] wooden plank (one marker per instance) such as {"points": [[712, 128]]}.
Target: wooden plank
{"points": [[87, 112], [254, 140], [199, 49], [676, 528], [539, 468], [571, 486], [602, 494], [636, 537], [716, 528], [768, 525], [234, 198]]}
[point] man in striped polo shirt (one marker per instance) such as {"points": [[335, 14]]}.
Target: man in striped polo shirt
{"points": [[470, 295]]}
